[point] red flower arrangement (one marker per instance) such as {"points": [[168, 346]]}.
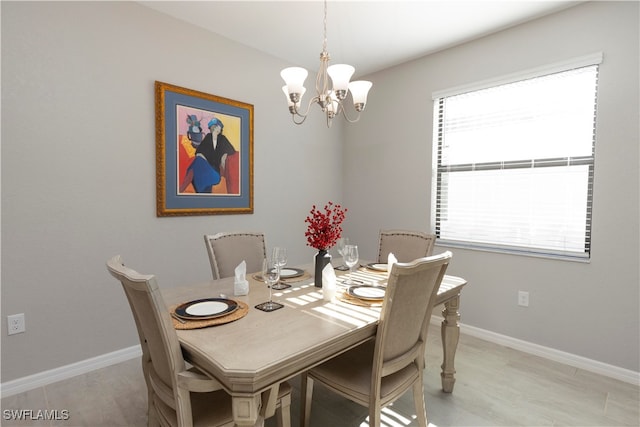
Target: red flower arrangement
{"points": [[324, 228]]}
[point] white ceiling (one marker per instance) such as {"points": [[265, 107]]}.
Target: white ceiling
{"points": [[370, 35]]}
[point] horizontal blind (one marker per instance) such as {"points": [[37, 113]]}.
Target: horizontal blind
{"points": [[515, 164]]}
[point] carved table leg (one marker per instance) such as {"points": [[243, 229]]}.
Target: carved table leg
{"points": [[269, 401], [246, 410], [450, 331]]}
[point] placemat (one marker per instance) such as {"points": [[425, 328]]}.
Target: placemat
{"points": [[345, 297], [239, 313], [364, 268], [305, 276]]}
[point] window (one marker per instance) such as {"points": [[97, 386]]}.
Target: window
{"points": [[514, 163]]}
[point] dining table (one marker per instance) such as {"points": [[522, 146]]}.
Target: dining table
{"points": [[251, 353]]}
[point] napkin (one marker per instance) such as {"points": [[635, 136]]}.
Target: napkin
{"points": [[328, 283], [391, 259], [240, 283]]}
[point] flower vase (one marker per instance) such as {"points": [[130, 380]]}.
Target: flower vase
{"points": [[320, 261]]}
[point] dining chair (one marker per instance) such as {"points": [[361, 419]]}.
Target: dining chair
{"points": [[178, 396], [380, 370], [228, 249], [406, 245]]}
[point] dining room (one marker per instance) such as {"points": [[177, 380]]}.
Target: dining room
{"points": [[90, 190]]}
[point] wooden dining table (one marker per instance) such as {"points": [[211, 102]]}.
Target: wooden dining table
{"points": [[252, 355]]}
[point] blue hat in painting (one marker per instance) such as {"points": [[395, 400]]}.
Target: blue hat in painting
{"points": [[215, 121]]}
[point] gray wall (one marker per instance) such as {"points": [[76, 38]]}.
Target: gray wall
{"points": [[590, 310], [78, 174], [78, 168]]}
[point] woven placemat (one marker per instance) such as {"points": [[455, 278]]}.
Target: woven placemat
{"points": [[305, 276], [344, 297], [239, 313], [372, 271]]}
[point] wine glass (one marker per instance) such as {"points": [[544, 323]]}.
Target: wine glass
{"points": [[351, 259], [342, 242], [279, 257], [270, 275]]}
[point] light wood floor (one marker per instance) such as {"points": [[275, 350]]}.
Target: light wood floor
{"points": [[496, 386]]}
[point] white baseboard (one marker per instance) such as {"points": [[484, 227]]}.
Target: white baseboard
{"points": [[64, 372], [576, 361], [30, 382]]}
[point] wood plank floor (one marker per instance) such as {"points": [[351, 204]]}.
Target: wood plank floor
{"points": [[496, 386]]}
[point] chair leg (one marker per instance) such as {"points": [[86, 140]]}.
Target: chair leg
{"points": [[306, 395], [375, 412], [150, 407], [152, 416], [418, 399], [183, 407]]}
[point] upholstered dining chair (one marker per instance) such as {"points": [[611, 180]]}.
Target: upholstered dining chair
{"points": [[177, 396], [228, 249], [379, 371], [406, 245]]}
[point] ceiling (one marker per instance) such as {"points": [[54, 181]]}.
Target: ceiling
{"points": [[370, 35]]}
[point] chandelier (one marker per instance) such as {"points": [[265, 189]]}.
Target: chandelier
{"points": [[330, 99]]}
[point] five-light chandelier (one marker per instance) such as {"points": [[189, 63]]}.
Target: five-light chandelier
{"points": [[330, 99]]}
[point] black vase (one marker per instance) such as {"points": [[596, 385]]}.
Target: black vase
{"points": [[320, 261]]}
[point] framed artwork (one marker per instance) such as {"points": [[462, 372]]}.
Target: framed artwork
{"points": [[204, 153]]}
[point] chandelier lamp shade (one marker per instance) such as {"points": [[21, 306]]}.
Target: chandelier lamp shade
{"points": [[329, 97]]}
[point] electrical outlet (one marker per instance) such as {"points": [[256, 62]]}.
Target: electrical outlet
{"points": [[15, 324], [523, 299]]}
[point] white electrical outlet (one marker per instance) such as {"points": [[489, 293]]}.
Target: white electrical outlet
{"points": [[523, 299], [15, 324]]}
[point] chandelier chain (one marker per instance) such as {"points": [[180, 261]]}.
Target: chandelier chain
{"points": [[324, 42]]}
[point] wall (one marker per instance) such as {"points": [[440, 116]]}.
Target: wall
{"points": [[590, 310], [78, 174], [78, 168]]}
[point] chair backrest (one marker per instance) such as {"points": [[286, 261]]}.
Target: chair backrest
{"points": [[406, 313], [227, 250], [406, 245], [155, 329]]}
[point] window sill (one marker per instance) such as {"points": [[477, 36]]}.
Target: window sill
{"points": [[585, 259]]}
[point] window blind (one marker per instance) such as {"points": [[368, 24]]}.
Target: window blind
{"points": [[515, 165]]}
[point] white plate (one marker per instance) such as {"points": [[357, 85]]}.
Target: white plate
{"points": [[207, 308], [367, 292], [287, 273], [377, 266]]}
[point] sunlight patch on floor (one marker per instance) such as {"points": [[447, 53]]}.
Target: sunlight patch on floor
{"points": [[391, 418]]}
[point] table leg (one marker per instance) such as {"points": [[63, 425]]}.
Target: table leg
{"points": [[246, 410], [450, 331], [269, 401]]}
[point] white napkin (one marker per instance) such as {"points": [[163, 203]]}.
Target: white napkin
{"points": [[328, 283], [240, 283], [391, 259]]}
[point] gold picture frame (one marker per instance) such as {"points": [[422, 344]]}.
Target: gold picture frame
{"points": [[204, 153]]}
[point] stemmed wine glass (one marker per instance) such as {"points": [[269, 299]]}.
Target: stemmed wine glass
{"points": [[270, 275], [279, 257], [351, 259], [342, 242]]}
